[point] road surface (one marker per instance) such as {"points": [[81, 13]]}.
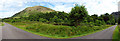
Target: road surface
{"points": [[0, 31], [11, 32], [105, 34]]}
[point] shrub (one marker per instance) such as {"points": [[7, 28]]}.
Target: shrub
{"points": [[42, 20], [62, 31], [30, 27]]}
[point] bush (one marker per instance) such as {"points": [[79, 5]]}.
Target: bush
{"points": [[13, 21], [42, 20], [62, 31], [30, 27]]}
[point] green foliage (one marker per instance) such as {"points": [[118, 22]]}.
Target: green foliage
{"points": [[109, 19], [77, 14], [116, 33], [62, 31], [119, 20], [42, 20], [2, 24], [54, 19], [98, 23], [30, 27]]}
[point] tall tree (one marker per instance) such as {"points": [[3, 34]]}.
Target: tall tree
{"points": [[106, 17], [119, 20], [77, 14], [95, 17]]}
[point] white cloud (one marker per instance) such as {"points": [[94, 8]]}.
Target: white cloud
{"points": [[4, 14], [105, 6], [93, 6], [62, 8]]}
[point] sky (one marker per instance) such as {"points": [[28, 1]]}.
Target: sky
{"points": [[10, 7]]}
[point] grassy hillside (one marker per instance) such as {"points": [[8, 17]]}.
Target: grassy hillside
{"points": [[31, 10]]}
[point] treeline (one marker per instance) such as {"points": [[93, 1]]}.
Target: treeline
{"points": [[77, 16]]}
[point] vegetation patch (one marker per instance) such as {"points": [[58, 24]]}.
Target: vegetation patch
{"points": [[2, 24], [119, 32], [116, 34]]}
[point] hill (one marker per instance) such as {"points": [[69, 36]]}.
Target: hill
{"points": [[31, 10]]}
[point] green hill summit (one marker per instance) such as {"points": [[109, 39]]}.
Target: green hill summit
{"points": [[31, 10]]}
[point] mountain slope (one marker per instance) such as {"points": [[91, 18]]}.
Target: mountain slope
{"points": [[31, 10]]}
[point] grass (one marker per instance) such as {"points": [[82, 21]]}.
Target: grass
{"points": [[115, 34], [2, 24], [59, 31], [119, 32]]}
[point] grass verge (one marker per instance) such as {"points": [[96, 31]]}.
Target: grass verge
{"points": [[2, 24], [115, 34], [119, 32], [23, 27]]}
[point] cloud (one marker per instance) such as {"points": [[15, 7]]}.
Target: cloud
{"points": [[100, 6], [10, 7], [93, 6], [4, 14], [62, 8]]}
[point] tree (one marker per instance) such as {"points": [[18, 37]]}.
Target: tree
{"points": [[119, 20], [112, 20], [95, 17], [42, 20], [106, 17], [77, 14], [54, 19], [101, 17], [98, 23]]}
